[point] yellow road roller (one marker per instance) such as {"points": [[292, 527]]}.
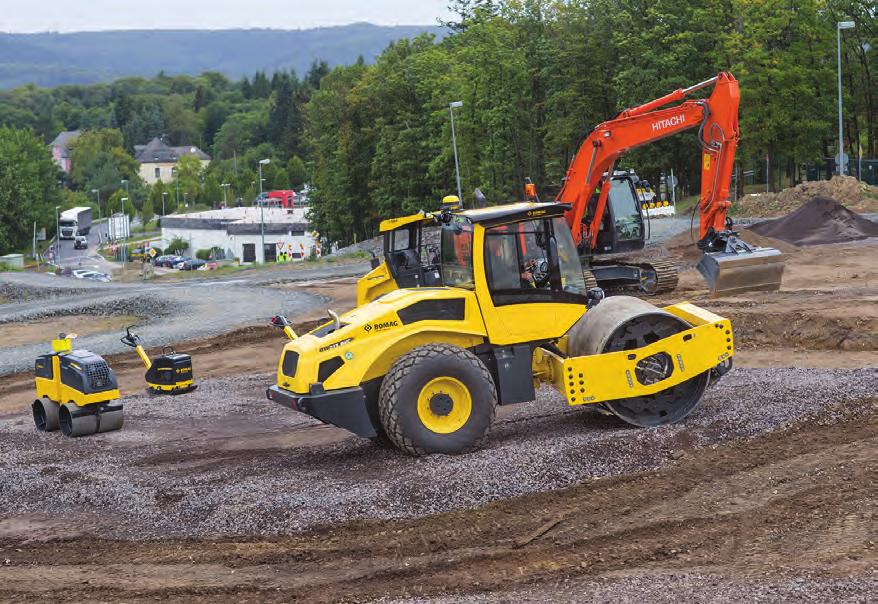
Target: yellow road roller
{"points": [[76, 391], [170, 373], [502, 307]]}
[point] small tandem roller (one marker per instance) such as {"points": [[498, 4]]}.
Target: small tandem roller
{"points": [[171, 373], [76, 391]]}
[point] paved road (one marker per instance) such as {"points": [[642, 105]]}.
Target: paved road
{"points": [[87, 258], [170, 312]]}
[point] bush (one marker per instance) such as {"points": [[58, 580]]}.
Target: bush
{"points": [[214, 253], [177, 244]]}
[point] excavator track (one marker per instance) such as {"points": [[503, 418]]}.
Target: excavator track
{"points": [[656, 277], [666, 277], [590, 281]]}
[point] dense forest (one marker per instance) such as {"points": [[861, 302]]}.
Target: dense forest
{"points": [[534, 76]]}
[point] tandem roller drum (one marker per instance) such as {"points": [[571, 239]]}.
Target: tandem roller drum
{"points": [[92, 419], [625, 323]]}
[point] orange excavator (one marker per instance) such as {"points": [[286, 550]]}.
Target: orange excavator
{"points": [[605, 216]]}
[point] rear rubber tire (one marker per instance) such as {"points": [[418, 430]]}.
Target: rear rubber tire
{"points": [[410, 376], [625, 323], [45, 414]]}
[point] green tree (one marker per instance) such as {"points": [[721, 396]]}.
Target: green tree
{"points": [[101, 152], [158, 198], [114, 203], [147, 213], [297, 172], [189, 172], [28, 188]]}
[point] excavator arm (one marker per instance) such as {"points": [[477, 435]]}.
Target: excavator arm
{"points": [[716, 118]]}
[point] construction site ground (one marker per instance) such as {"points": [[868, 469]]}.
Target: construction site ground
{"points": [[765, 493]]}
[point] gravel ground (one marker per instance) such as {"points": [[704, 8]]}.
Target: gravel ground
{"points": [[171, 311], [671, 588], [225, 461]]}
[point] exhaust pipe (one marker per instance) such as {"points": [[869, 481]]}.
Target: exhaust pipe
{"points": [[741, 267]]}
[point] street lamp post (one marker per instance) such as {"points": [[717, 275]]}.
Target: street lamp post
{"points": [[262, 162], [176, 175], [451, 107], [225, 187], [57, 237], [164, 194], [841, 163], [97, 193], [125, 238]]}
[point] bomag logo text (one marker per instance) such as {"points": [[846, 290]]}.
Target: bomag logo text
{"points": [[337, 344], [670, 122], [382, 325]]}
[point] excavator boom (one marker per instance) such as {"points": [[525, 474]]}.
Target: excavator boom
{"points": [[588, 182]]}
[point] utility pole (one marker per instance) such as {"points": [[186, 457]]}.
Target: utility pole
{"points": [[840, 158], [97, 193], [176, 174], [125, 239], [262, 162], [451, 107], [225, 187], [57, 238]]}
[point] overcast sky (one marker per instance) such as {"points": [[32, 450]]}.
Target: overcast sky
{"points": [[91, 15]]}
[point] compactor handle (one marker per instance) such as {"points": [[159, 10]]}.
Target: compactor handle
{"points": [[281, 322], [130, 339]]}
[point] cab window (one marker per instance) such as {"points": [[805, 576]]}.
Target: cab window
{"points": [[533, 261], [626, 211], [457, 254]]}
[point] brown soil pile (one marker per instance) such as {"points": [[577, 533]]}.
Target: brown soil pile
{"points": [[684, 248], [820, 220], [857, 195]]}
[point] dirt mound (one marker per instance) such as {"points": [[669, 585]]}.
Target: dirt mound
{"points": [[820, 220], [683, 246], [848, 190]]}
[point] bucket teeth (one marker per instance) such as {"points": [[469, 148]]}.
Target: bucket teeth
{"points": [[732, 272]]}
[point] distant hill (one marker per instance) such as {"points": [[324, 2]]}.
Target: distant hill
{"points": [[52, 59]]}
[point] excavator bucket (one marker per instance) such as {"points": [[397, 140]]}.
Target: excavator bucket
{"points": [[742, 267]]}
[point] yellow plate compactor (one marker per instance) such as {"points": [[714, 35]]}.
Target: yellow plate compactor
{"points": [[170, 373]]}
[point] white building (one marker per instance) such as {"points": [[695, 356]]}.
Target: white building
{"points": [[238, 233]]}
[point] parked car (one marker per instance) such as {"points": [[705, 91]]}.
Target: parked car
{"points": [[170, 261], [80, 242], [91, 275], [180, 262], [96, 276], [192, 264]]}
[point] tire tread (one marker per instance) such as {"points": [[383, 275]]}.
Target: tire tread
{"points": [[387, 400]]}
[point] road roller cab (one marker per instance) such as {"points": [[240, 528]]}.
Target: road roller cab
{"points": [[76, 391], [170, 373], [425, 366]]}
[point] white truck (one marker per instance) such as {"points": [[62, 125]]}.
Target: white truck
{"points": [[73, 222]]}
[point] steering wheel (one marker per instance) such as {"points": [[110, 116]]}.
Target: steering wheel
{"points": [[539, 270]]}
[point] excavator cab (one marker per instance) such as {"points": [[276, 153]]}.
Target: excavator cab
{"points": [[622, 228]]}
